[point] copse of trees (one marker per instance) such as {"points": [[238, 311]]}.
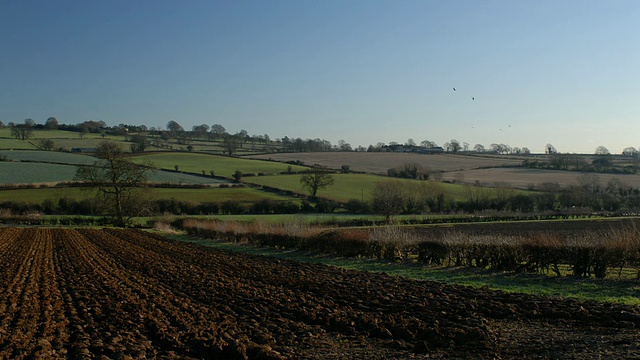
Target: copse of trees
{"points": [[393, 197], [23, 131], [410, 171]]}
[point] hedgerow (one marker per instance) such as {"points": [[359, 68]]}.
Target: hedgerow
{"points": [[595, 253]]}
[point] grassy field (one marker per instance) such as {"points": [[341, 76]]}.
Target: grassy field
{"points": [[221, 165], [379, 163], [22, 173], [210, 195], [37, 196], [13, 144], [347, 186]]}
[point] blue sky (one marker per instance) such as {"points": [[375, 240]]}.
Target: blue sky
{"points": [[560, 72]]}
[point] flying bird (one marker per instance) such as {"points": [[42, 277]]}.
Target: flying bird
{"points": [[454, 89], [473, 98]]}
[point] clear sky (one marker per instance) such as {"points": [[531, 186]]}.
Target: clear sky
{"points": [[366, 71]]}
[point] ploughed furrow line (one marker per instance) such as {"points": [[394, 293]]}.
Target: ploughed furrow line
{"points": [[210, 332], [265, 286], [12, 249], [100, 313], [167, 323], [52, 335], [254, 307], [414, 297], [20, 322]]}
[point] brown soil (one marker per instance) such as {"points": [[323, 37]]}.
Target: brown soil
{"points": [[128, 294]]}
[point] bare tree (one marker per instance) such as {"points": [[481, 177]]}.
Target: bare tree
{"points": [[387, 198], [231, 144], [630, 151], [344, 146], [51, 123], [140, 143], [454, 146], [118, 181], [218, 131], [477, 195], [174, 128], [550, 149], [317, 179], [601, 150], [46, 144], [201, 130], [23, 131], [428, 144]]}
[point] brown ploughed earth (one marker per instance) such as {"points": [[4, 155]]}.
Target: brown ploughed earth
{"points": [[122, 294]]}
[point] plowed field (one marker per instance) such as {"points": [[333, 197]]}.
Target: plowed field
{"points": [[87, 293]]}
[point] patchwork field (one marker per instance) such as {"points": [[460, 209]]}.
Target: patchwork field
{"points": [[85, 293]]}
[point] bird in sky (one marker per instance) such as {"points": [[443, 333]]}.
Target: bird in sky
{"points": [[473, 98], [454, 89]]}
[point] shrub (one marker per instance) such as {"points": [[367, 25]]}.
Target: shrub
{"points": [[231, 207], [356, 206]]}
